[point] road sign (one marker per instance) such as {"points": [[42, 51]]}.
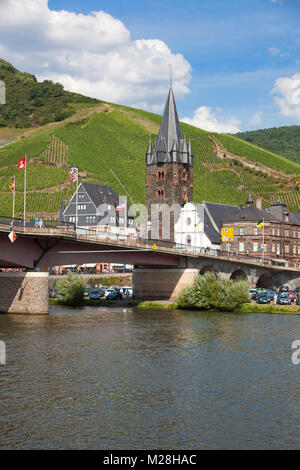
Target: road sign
{"points": [[227, 234], [12, 236]]}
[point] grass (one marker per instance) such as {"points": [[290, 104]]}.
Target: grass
{"points": [[109, 146]]}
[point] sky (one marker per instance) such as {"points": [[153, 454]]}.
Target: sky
{"points": [[235, 63]]}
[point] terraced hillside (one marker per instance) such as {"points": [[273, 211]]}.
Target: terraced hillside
{"points": [[108, 143]]}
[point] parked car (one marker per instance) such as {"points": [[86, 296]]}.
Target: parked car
{"points": [[263, 298], [95, 294], [292, 295], [283, 299], [253, 293], [271, 293], [113, 294], [298, 298], [52, 293], [87, 292], [284, 289]]}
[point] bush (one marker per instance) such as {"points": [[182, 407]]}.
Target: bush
{"points": [[70, 291], [210, 292]]}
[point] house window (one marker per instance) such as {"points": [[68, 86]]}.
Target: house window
{"points": [[273, 247], [121, 220], [255, 247], [287, 248], [112, 220], [241, 230], [130, 221], [241, 247], [255, 230]]}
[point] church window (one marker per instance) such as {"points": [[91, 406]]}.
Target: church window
{"points": [[161, 175], [188, 221], [184, 175], [188, 240], [160, 194]]}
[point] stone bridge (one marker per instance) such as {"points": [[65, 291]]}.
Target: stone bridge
{"points": [[160, 273]]}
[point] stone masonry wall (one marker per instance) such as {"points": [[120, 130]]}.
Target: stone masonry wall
{"points": [[25, 293]]}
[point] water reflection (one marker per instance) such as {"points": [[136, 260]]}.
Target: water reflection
{"points": [[102, 378]]}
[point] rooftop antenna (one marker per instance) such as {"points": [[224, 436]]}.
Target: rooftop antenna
{"points": [[171, 78]]}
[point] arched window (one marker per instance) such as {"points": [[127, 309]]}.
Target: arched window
{"points": [[160, 175], [184, 175], [188, 240], [160, 194]]}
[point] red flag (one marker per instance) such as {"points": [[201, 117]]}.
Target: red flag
{"points": [[21, 163], [12, 185]]}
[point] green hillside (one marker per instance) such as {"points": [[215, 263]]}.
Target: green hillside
{"points": [[30, 103], [108, 143], [283, 140]]}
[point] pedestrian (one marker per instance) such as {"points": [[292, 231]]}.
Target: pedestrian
{"points": [[20, 219]]}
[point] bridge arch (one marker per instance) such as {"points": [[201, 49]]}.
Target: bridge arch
{"points": [[207, 268], [238, 274], [265, 280]]}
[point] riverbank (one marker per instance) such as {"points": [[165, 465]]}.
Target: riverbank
{"points": [[166, 304]]}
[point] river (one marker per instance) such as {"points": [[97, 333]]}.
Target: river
{"points": [[113, 378]]}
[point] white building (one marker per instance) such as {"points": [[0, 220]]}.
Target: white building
{"points": [[199, 225]]}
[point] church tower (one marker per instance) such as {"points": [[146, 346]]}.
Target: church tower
{"points": [[169, 165]]}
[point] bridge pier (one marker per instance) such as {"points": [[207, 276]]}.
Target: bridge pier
{"points": [[24, 292], [161, 283]]}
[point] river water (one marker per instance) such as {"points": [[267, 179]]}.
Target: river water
{"points": [[111, 378]]}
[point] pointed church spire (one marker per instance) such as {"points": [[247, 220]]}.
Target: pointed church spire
{"points": [[170, 127]]}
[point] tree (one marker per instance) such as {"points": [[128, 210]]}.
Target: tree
{"points": [[70, 291]]}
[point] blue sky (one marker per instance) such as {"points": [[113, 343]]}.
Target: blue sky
{"points": [[232, 54]]}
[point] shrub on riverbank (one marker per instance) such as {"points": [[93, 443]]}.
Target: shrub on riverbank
{"points": [[211, 292], [70, 291]]}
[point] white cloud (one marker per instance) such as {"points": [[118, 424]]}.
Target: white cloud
{"points": [[206, 119], [275, 51], [91, 54], [288, 89], [256, 118]]}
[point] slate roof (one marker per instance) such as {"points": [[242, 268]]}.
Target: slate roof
{"points": [[219, 212], [295, 218], [250, 214], [101, 194], [170, 146]]}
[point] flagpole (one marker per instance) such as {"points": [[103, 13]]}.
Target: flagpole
{"points": [[76, 219], [25, 191], [14, 194], [263, 252]]}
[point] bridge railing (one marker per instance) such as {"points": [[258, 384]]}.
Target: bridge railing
{"points": [[19, 223], [183, 249]]}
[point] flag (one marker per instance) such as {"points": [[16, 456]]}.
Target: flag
{"points": [[74, 174], [21, 163], [12, 236], [12, 185], [260, 223], [121, 206]]}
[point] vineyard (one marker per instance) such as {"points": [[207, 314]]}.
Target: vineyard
{"points": [[109, 148]]}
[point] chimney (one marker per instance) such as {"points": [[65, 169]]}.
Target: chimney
{"points": [[259, 203]]}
